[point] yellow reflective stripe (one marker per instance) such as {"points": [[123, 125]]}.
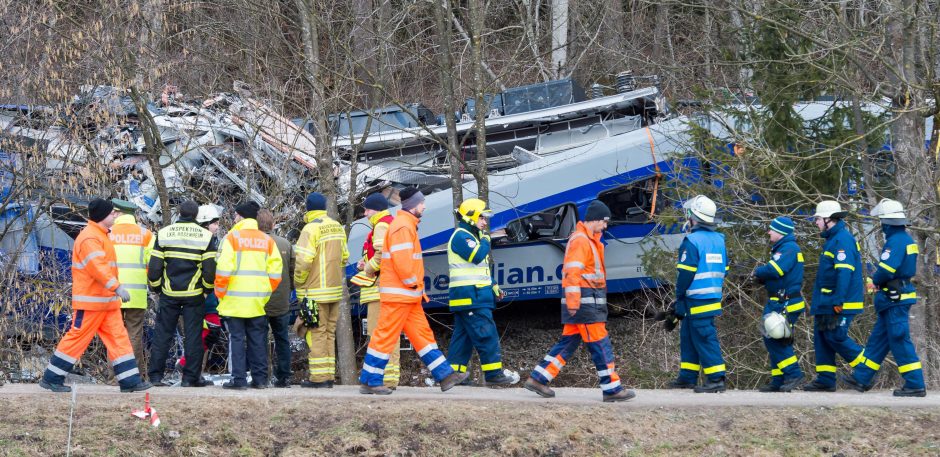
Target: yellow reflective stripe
{"points": [[184, 293], [689, 366], [461, 302], [910, 367], [796, 306], [776, 372], [825, 290], [714, 369], [871, 364], [686, 267], [912, 249], [457, 368], [825, 368], [845, 265], [774, 299], [887, 267], [786, 362], [776, 267], [909, 296], [829, 254], [858, 360], [491, 366], [183, 255], [705, 308], [853, 305], [799, 257]]}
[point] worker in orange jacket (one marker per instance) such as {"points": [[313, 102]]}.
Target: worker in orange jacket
{"points": [[96, 301], [583, 310], [401, 293]]}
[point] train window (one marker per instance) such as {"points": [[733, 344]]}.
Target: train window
{"points": [[631, 203], [555, 223]]}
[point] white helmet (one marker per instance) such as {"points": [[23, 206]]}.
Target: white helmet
{"points": [[702, 207], [776, 326], [828, 209], [207, 213], [890, 212]]}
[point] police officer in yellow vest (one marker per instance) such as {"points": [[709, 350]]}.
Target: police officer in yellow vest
{"points": [[248, 271], [318, 276], [473, 295], [132, 246]]}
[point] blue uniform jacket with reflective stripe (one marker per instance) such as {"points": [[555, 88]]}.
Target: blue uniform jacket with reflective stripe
{"points": [[839, 278], [898, 261], [467, 245], [784, 271], [701, 267]]}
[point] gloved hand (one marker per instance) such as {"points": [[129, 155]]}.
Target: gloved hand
{"points": [[668, 317], [827, 322], [837, 308], [123, 293]]}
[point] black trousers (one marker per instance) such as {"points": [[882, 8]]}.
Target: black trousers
{"points": [[248, 348], [280, 330], [168, 314]]}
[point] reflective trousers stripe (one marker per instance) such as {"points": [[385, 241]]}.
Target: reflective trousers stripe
{"points": [[825, 368], [705, 308], [714, 369], [910, 367], [690, 366]]}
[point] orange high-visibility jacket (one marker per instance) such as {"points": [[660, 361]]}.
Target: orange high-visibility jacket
{"points": [[585, 278], [402, 278], [94, 270]]}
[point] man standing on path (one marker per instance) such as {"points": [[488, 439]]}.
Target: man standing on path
{"points": [[96, 303], [132, 246], [401, 289], [583, 310]]}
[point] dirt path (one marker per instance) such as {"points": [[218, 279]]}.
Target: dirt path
{"points": [[565, 395], [466, 421]]}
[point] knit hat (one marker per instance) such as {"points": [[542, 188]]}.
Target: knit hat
{"points": [[410, 198], [782, 225], [376, 202], [316, 202], [597, 211], [189, 209], [248, 209], [99, 209]]}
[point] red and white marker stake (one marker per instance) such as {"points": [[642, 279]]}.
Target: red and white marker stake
{"points": [[148, 411]]}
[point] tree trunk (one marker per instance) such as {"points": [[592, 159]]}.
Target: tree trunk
{"points": [[478, 14], [559, 37], [442, 12], [915, 186], [154, 145], [345, 347]]}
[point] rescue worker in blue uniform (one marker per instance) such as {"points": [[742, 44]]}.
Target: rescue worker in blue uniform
{"points": [[702, 264], [894, 297], [837, 297], [473, 295], [782, 276]]}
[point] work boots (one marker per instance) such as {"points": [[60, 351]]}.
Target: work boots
{"points": [[539, 388], [317, 385], [908, 392], [505, 378], [817, 386], [711, 387], [374, 390], [769, 387], [790, 384], [623, 395], [139, 387], [452, 380], [854, 384], [54, 387], [677, 384]]}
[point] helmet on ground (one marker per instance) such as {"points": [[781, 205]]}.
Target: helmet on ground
{"points": [[829, 209], [701, 208], [891, 212], [471, 210], [207, 213], [776, 326]]}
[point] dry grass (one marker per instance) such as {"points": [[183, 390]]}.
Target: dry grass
{"points": [[37, 425]]}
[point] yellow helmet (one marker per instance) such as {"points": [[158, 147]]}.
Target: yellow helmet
{"points": [[471, 210]]}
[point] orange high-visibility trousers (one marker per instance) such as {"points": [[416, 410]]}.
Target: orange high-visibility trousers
{"points": [[109, 326], [393, 319]]}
